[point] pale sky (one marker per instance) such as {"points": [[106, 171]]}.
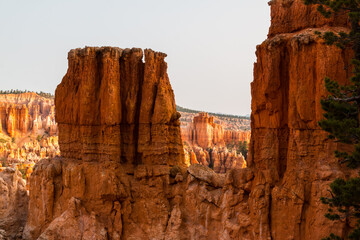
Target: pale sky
{"points": [[210, 43]]}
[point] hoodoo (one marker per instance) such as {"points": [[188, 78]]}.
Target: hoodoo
{"points": [[117, 124], [111, 105]]}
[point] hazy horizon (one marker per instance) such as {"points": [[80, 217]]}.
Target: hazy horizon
{"points": [[210, 45]]}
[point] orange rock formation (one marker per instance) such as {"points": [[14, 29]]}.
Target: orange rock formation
{"points": [[292, 159], [118, 133], [110, 105]]}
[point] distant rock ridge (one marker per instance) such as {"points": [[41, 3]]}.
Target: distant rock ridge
{"points": [[203, 131], [292, 158], [206, 143], [26, 113]]}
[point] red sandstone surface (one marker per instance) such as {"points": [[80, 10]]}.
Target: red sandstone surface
{"points": [[292, 159]]}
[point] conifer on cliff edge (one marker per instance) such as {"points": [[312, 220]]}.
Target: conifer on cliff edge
{"points": [[341, 117]]}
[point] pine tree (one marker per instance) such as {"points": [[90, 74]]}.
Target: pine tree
{"points": [[243, 148], [341, 117]]}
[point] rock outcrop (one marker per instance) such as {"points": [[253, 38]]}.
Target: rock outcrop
{"points": [[13, 204], [26, 112], [119, 135], [102, 192], [111, 105], [292, 159], [289, 16]]}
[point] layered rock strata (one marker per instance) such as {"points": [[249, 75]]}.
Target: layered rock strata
{"points": [[111, 105], [119, 134], [102, 192]]}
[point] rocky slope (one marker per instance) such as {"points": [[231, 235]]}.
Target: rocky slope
{"points": [[13, 204]]}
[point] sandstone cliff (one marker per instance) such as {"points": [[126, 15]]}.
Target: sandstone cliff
{"points": [[118, 133], [291, 156], [111, 105]]}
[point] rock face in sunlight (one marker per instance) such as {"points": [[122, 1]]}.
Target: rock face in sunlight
{"points": [[128, 183], [111, 105], [292, 159], [119, 135]]}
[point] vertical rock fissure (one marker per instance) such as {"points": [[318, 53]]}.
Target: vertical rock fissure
{"points": [[98, 80], [140, 76], [152, 111], [284, 131], [123, 121]]}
